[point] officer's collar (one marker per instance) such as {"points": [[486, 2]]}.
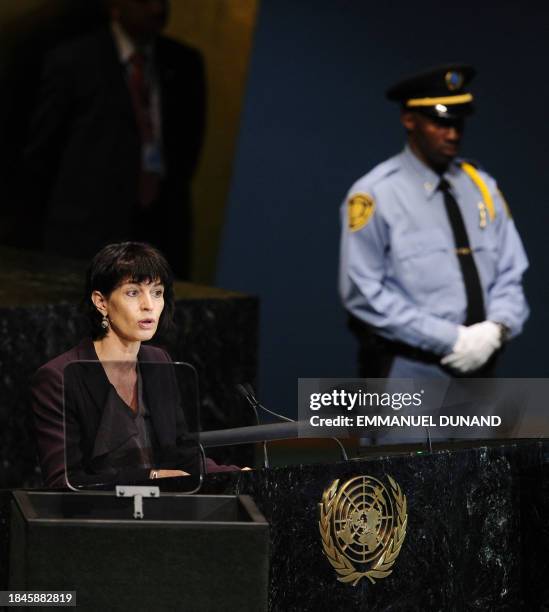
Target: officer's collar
{"points": [[429, 178]]}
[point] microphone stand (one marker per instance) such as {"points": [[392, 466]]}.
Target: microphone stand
{"points": [[247, 391], [242, 390]]}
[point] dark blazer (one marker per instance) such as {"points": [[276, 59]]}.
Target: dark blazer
{"points": [[82, 159], [91, 414]]}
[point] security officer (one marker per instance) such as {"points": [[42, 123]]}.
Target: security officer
{"points": [[431, 262]]}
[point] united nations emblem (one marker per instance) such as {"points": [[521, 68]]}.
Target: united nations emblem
{"points": [[362, 525], [361, 207]]}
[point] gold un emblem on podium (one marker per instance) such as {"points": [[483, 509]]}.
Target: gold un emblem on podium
{"points": [[362, 525]]}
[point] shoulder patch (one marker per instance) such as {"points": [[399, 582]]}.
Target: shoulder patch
{"points": [[360, 209]]}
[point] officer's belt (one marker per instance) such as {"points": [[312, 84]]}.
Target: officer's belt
{"points": [[375, 342]]}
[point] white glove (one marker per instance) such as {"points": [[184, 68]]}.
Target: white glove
{"points": [[474, 346]]}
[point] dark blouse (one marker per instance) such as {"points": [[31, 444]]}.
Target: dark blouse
{"points": [[138, 448]]}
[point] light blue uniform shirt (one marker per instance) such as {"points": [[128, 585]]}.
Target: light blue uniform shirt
{"points": [[400, 274]]}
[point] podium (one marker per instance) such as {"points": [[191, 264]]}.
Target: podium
{"points": [[477, 538], [196, 553]]}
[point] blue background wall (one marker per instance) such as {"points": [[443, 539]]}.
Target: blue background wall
{"points": [[315, 119]]}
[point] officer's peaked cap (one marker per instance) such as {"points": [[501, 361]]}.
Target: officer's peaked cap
{"points": [[438, 92]]}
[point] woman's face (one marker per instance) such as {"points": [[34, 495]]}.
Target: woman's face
{"points": [[133, 309]]}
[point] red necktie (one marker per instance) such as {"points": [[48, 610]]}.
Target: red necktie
{"points": [[141, 97]]}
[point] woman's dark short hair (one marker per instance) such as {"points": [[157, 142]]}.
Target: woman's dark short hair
{"points": [[135, 262]]}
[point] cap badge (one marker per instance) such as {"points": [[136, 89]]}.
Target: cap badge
{"points": [[454, 80]]}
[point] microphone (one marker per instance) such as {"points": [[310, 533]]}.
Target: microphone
{"points": [[247, 391], [244, 392]]}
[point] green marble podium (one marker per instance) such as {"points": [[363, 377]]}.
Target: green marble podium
{"points": [[477, 533]]}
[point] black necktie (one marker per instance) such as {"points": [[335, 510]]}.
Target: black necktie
{"points": [[471, 279]]}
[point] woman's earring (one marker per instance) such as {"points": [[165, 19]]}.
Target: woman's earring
{"points": [[105, 322]]}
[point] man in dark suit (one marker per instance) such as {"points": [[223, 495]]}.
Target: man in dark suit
{"points": [[116, 136]]}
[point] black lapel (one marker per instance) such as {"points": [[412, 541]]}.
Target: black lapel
{"points": [[90, 372]]}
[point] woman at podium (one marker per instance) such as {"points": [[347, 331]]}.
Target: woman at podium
{"points": [[109, 410]]}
